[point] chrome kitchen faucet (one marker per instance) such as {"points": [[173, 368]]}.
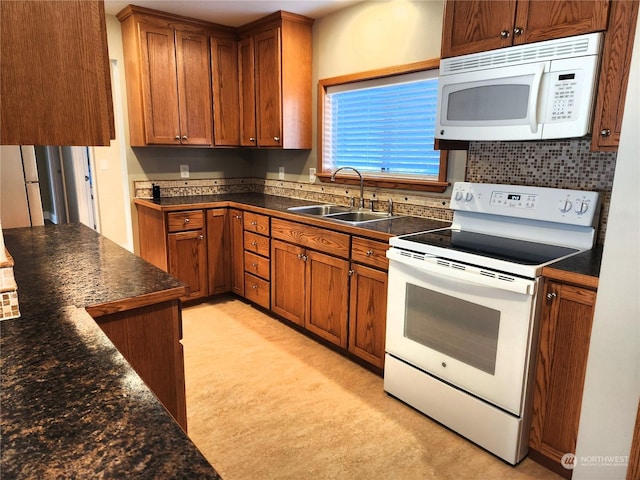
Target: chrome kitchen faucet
{"points": [[333, 179]]}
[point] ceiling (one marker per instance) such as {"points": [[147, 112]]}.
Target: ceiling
{"points": [[234, 13]]}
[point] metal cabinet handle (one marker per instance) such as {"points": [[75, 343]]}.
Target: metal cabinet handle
{"points": [[201, 237], [302, 257], [254, 243], [518, 31], [238, 217], [351, 272], [252, 139], [605, 132], [184, 137], [178, 137], [369, 253], [504, 34], [186, 220], [276, 139], [254, 223], [551, 296], [255, 287]]}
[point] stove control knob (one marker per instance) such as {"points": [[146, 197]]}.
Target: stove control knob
{"points": [[565, 205], [580, 207], [468, 197], [458, 196]]}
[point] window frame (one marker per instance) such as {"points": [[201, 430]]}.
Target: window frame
{"points": [[388, 181]]}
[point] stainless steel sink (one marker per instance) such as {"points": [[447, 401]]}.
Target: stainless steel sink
{"points": [[320, 210], [360, 216], [342, 214]]}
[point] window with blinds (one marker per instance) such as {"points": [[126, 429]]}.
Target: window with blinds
{"points": [[384, 126]]}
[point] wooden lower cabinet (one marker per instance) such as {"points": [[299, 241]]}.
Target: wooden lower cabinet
{"points": [[236, 234], [368, 314], [218, 258], [149, 339], [311, 289], [188, 260], [565, 332]]}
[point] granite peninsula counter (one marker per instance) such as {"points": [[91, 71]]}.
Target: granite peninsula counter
{"points": [[72, 406]]}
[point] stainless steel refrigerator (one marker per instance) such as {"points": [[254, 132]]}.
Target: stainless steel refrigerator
{"points": [[20, 199]]}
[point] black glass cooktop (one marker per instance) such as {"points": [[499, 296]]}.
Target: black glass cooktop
{"points": [[501, 248]]}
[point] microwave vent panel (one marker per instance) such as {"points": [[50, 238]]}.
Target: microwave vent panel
{"points": [[535, 52]]}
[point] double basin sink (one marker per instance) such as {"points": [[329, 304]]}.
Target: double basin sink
{"points": [[343, 214]]}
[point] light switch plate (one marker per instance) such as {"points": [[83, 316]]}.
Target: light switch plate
{"points": [[312, 175], [281, 173], [184, 171]]}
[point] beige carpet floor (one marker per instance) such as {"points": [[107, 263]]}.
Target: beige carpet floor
{"points": [[266, 402]]}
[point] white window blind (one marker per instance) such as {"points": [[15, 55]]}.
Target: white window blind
{"points": [[384, 126]]}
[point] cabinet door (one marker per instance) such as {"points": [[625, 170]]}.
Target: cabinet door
{"points": [[268, 88], [561, 364], [368, 314], [218, 251], [224, 80], [194, 88], [237, 251], [160, 93], [327, 290], [288, 281], [188, 260], [247, 82], [476, 26], [55, 82], [548, 19], [614, 75]]}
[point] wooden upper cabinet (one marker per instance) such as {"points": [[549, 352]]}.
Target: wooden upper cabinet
{"points": [[614, 75], [55, 82], [477, 26], [168, 79], [274, 64], [224, 82]]}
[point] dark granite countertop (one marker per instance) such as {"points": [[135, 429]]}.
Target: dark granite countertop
{"points": [[277, 206], [72, 406], [584, 267]]}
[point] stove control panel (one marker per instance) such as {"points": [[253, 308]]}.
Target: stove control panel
{"points": [[575, 207]]}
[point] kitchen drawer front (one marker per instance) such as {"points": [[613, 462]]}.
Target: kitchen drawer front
{"points": [[257, 290], [256, 244], [187, 220], [328, 241], [257, 265], [256, 223], [369, 252]]}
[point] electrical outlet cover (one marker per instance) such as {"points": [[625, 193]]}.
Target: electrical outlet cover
{"points": [[184, 171], [312, 175], [281, 173]]}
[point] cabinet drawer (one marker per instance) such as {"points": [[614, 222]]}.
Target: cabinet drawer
{"points": [[256, 223], [188, 220], [369, 252], [256, 244], [256, 290], [257, 265], [321, 239]]}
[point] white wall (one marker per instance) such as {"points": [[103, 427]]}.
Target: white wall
{"points": [[612, 387]]}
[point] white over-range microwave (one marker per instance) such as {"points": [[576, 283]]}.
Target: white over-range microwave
{"points": [[536, 91]]}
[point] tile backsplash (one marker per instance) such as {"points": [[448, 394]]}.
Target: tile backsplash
{"points": [[557, 164]]}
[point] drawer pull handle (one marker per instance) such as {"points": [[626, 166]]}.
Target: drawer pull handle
{"points": [[186, 220], [254, 265], [369, 253], [201, 237], [255, 287], [254, 243], [254, 223], [302, 257], [238, 217]]}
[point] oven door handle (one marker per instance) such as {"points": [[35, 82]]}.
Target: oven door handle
{"points": [[466, 273]]}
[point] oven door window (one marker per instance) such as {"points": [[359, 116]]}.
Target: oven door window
{"points": [[457, 328]]}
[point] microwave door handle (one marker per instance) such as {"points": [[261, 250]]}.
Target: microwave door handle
{"points": [[533, 98]]}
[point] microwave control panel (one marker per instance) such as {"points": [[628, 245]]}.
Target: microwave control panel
{"points": [[576, 207], [565, 93]]}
